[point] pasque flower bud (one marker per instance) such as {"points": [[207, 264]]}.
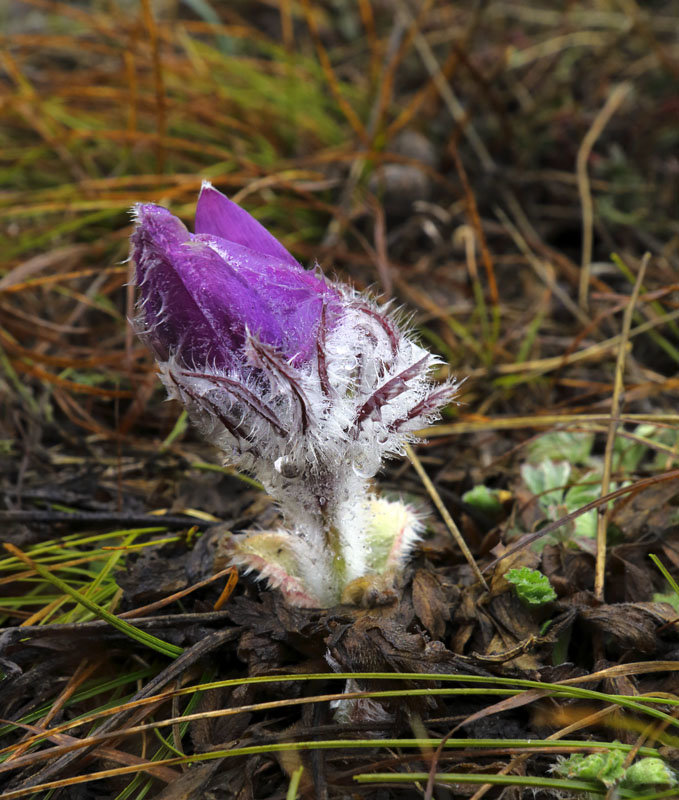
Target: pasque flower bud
{"points": [[303, 383]]}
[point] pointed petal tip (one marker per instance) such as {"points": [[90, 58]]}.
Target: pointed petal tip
{"points": [[156, 226], [208, 196], [149, 209], [140, 210], [216, 215]]}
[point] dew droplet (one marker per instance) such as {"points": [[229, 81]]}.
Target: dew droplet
{"points": [[362, 468], [287, 468]]}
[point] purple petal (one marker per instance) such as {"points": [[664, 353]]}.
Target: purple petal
{"points": [[172, 318], [289, 304], [218, 216]]}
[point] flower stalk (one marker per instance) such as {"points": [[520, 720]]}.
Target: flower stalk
{"points": [[303, 383]]}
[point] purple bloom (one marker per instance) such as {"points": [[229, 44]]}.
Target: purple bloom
{"points": [[304, 384], [201, 293]]}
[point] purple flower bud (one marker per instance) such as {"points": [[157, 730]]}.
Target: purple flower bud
{"points": [[305, 384], [201, 293]]}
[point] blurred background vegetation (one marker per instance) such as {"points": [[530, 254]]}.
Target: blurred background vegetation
{"points": [[466, 158]]}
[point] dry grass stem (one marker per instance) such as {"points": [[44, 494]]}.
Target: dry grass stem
{"points": [[443, 511], [612, 104], [604, 512]]}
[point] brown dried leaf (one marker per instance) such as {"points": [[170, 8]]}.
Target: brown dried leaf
{"points": [[152, 576], [190, 784], [653, 508], [383, 645], [429, 600], [629, 626]]}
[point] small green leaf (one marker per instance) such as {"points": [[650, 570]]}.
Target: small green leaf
{"points": [[649, 772], [606, 767], [531, 585], [561, 446], [628, 454], [484, 499], [547, 481], [585, 491], [670, 438]]}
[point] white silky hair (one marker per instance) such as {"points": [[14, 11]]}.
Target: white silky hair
{"points": [[314, 435]]}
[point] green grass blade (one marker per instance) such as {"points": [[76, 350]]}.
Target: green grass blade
{"points": [[125, 628]]}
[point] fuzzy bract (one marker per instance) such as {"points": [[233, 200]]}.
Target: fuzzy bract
{"points": [[303, 383]]}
